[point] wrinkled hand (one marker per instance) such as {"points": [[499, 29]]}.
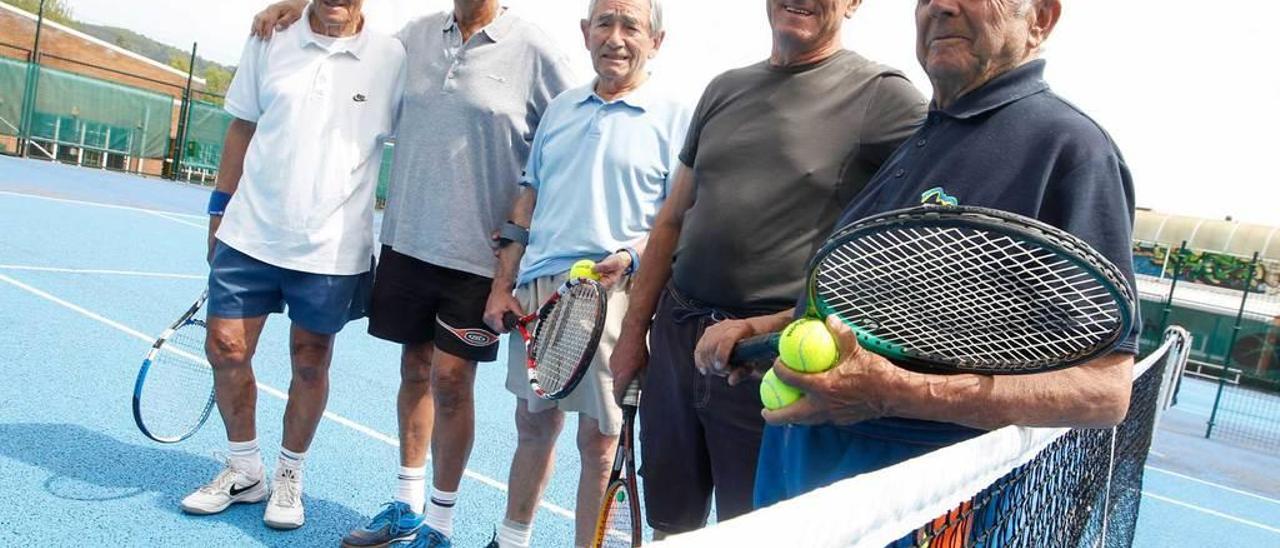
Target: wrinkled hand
{"points": [[853, 391], [629, 358], [499, 304], [711, 356], [612, 269], [276, 17]]}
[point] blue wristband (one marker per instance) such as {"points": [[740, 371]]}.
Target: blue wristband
{"points": [[218, 201]]}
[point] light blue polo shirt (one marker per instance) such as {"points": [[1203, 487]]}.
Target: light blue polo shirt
{"points": [[601, 170]]}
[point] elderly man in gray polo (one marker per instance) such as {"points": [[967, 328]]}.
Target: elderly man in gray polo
{"points": [[479, 80]]}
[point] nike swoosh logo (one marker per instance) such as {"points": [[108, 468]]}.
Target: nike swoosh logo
{"points": [[236, 492]]}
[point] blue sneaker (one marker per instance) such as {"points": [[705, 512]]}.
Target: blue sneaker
{"points": [[428, 538], [395, 523]]}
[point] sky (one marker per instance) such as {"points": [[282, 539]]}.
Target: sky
{"points": [[1182, 87]]}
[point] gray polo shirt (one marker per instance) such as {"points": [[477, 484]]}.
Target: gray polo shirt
{"points": [[468, 120]]}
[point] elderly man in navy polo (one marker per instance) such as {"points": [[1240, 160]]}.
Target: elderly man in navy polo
{"points": [[996, 136]]}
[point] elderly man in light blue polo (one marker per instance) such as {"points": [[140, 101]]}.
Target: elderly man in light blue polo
{"points": [[601, 164]]}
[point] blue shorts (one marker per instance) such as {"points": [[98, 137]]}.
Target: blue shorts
{"points": [[241, 286], [797, 459]]}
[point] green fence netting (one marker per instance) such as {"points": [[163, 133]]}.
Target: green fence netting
{"points": [[206, 130], [13, 79], [76, 110]]}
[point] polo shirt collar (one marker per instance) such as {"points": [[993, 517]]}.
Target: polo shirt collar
{"points": [[353, 46], [495, 30], [1009, 87], [641, 98]]}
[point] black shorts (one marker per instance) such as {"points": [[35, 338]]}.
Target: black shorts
{"points": [[416, 302], [698, 434]]}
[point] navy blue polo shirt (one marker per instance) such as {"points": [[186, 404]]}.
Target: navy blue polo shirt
{"points": [[1011, 145]]}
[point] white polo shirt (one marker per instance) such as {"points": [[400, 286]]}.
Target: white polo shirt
{"points": [[323, 108]]}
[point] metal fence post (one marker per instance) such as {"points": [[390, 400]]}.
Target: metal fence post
{"points": [[183, 113], [1231, 346], [1168, 307], [30, 89]]}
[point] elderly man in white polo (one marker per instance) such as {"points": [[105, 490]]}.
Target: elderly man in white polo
{"points": [[602, 162], [291, 223]]}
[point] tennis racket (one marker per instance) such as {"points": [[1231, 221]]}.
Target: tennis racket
{"points": [[619, 521], [566, 333], [173, 395], [965, 289]]}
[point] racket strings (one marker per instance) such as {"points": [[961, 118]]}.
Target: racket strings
{"points": [[565, 336], [617, 522], [178, 389], [969, 296]]}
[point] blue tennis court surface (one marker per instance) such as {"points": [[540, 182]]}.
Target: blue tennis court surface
{"points": [[93, 266]]}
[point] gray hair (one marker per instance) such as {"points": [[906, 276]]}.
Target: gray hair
{"points": [[655, 15]]}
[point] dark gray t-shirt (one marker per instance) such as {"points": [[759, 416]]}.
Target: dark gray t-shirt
{"points": [[777, 154]]}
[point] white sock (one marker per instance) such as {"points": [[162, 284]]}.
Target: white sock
{"points": [[246, 457], [290, 460], [513, 534], [440, 511], [411, 487]]}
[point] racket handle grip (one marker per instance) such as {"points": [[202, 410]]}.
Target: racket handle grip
{"points": [[761, 349], [509, 320], [632, 397]]}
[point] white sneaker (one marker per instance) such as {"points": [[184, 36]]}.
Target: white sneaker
{"points": [[230, 486], [284, 510]]}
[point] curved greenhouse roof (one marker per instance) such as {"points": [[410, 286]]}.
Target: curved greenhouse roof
{"points": [[1221, 236]]}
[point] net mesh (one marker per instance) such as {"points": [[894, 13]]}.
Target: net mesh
{"points": [[1011, 487], [178, 390], [979, 299], [568, 336]]}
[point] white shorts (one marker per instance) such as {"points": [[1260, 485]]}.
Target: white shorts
{"points": [[594, 395]]}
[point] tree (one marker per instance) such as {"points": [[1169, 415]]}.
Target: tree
{"points": [[54, 10], [216, 80], [180, 62]]}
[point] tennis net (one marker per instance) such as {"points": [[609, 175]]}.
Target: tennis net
{"points": [[1011, 487]]}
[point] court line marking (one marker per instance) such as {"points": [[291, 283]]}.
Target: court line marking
{"points": [[1211, 512], [27, 268], [370, 432], [171, 217], [98, 204], [1212, 484]]}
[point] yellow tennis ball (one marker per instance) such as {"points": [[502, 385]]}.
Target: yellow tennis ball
{"points": [[806, 346], [775, 394], [583, 269]]}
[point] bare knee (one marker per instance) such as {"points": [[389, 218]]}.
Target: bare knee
{"points": [[596, 449], [538, 429], [415, 364], [227, 350], [451, 386]]}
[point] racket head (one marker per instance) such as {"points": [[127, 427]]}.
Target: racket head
{"points": [[618, 524], [173, 395], [565, 338], [967, 289]]}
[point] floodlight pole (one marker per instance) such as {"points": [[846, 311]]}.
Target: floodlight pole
{"points": [[31, 88], [183, 114]]}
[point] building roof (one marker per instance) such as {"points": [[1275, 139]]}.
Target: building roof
{"points": [[1223, 236]]}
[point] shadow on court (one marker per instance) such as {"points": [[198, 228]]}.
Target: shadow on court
{"points": [[88, 466]]}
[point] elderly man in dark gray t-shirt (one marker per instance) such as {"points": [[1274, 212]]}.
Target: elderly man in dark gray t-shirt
{"points": [[773, 154]]}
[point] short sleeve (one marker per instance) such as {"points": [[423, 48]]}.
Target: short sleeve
{"points": [[553, 77], [689, 152], [1095, 202], [894, 114], [243, 98]]}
